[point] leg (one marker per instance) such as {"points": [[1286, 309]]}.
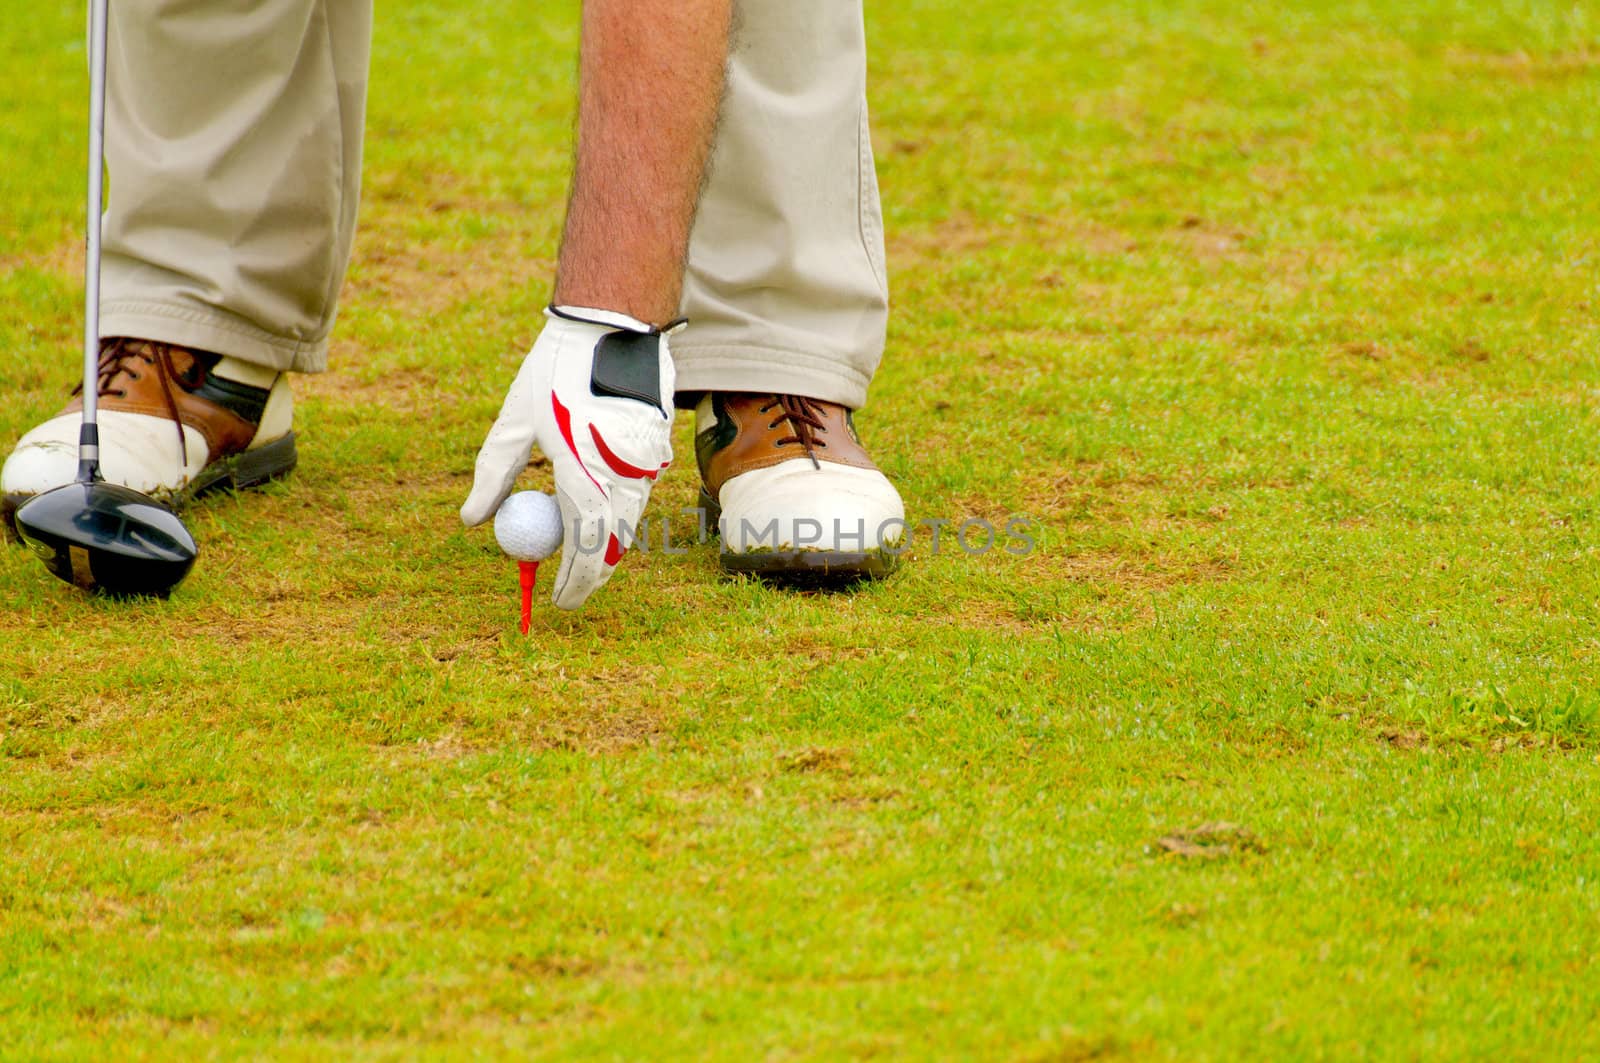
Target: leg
{"points": [[787, 303], [786, 288], [233, 136]]}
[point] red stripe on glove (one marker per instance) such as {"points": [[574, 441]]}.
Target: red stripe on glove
{"points": [[564, 422], [618, 466]]}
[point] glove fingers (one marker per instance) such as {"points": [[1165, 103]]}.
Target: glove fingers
{"points": [[627, 507], [588, 556], [501, 459]]}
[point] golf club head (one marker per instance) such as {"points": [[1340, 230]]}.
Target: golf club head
{"points": [[108, 538]]}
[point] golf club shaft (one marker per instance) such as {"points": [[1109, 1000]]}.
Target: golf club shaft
{"points": [[89, 436]]}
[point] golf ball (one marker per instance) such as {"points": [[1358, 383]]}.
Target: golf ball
{"points": [[528, 526]]}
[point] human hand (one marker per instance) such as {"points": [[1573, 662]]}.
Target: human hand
{"points": [[595, 394]]}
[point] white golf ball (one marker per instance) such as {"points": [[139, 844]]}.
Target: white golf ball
{"points": [[528, 526]]}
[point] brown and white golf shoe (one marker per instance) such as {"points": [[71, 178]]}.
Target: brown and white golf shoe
{"points": [[792, 491], [174, 423]]}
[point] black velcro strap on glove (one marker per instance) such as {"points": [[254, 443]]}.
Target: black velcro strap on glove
{"points": [[627, 365]]}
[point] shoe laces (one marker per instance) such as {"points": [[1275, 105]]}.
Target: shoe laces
{"points": [[805, 422], [124, 360]]}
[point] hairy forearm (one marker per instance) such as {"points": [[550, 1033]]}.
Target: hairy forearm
{"points": [[650, 81]]}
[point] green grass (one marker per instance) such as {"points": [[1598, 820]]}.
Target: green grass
{"points": [[1280, 321]]}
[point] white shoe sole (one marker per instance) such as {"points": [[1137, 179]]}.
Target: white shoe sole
{"points": [[806, 567]]}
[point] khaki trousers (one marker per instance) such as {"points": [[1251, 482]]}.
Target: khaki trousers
{"points": [[234, 148]]}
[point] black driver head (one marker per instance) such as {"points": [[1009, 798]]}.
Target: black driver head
{"points": [[108, 538]]}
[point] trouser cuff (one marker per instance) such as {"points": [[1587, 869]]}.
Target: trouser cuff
{"points": [[213, 330], [767, 370]]}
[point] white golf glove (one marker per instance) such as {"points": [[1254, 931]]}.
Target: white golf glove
{"points": [[595, 393]]}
